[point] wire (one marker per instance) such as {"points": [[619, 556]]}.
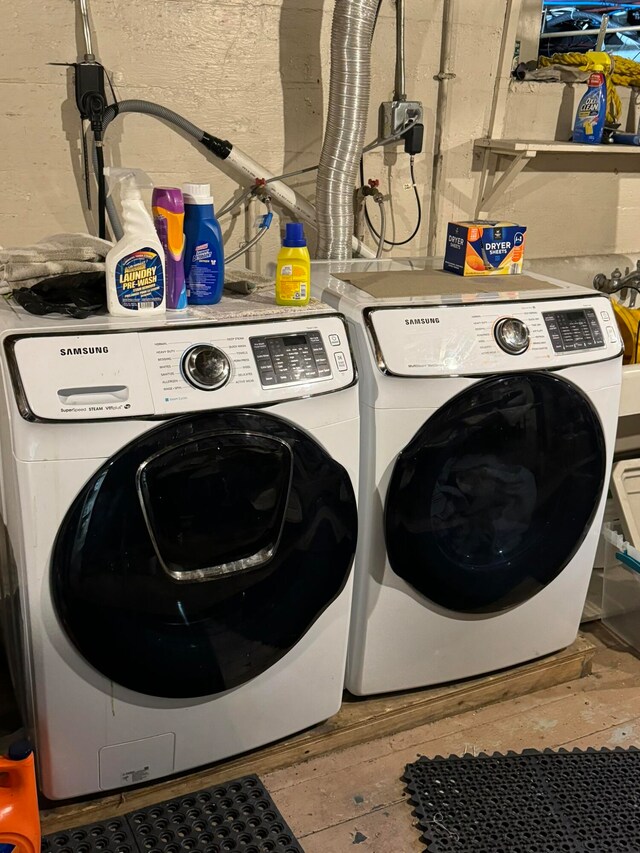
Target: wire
{"points": [[229, 206], [393, 243], [292, 174], [377, 143], [233, 203], [85, 164], [262, 230], [383, 228], [102, 194]]}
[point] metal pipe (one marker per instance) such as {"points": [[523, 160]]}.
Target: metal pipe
{"points": [[563, 34], [251, 261], [444, 76], [400, 93], [350, 82], [86, 28]]}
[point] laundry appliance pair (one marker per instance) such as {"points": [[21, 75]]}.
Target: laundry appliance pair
{"points": [[179, 507], [179, 519], [488, 418]]}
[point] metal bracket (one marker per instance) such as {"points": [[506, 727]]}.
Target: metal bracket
{"points": [[489, 192]]}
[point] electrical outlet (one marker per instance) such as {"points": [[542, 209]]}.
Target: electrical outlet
{"points": [[394, 115]]}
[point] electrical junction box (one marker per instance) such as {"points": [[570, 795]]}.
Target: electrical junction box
{"points": [[394, 115]]}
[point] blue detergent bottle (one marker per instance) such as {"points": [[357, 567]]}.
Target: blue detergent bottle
{"points": [[204, 247], [592, 109]]}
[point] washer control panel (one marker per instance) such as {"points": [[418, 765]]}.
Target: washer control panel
{"points": [[483, 338], [289, 359], [160, 372], [577, 329]]}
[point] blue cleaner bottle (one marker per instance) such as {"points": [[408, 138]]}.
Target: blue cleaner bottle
{"points": [[204, 248], [592, 109]]}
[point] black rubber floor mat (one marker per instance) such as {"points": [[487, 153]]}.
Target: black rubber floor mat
{"points": [[108, 836], [534, 802], [237, 817]]}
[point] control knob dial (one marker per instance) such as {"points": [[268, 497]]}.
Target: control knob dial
{"points": [[512, 335], [206, 367]]}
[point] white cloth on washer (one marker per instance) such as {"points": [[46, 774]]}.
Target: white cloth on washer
{"points": [[61, 254]]}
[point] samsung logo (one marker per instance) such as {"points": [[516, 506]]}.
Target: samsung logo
{"points": [[83, 350], [421, 321]]}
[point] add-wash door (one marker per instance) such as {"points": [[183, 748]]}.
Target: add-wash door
{"points": [[201, 553]]}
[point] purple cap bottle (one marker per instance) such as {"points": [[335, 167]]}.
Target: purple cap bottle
{"points": [[168, 211]]}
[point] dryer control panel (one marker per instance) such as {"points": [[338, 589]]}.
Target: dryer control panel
{"points": [[178, 369], [481, 338], [573, 330]]}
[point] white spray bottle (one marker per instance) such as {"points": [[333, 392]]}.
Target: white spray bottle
{"points": [[135, 266]]}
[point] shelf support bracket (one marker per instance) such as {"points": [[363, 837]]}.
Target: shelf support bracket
{"points": [[489, 192]]}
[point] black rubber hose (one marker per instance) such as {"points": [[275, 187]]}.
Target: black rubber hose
{"points": [[102, 195]]}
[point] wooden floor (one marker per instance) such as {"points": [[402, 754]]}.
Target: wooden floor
{"points": [[351, 799], [355, 796]]}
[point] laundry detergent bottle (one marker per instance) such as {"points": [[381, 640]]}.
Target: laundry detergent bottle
{"points": [[204, 247], [134, 268], [168, 213], [19, 816], [293, 268], [592, 109]]}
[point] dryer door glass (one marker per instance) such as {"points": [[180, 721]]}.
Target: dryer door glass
{"points": [[494, 495], [202, 552]]}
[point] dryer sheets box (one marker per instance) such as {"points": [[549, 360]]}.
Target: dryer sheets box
{"points": [[484, 248]]}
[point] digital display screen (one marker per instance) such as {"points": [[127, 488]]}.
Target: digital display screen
{"points": [[295, 340], [571, 316]]}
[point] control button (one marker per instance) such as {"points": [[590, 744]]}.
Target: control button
{"points": [[206, 367], [605, 315], [341, 361], [334, 340], [612, 334], [512, 335]]}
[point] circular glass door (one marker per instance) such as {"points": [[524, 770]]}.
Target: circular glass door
{"points": [[201, 553], [493, 496]]}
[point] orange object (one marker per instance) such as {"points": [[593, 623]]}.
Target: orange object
{"points": [[19, 815]]}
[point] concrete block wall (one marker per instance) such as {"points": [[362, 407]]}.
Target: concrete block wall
{"points": [[257, 72]]}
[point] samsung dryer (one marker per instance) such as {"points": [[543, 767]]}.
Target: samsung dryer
{"points": [[180, 517], [488, 417]]}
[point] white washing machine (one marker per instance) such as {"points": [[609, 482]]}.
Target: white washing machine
{"points": [[488, 417], [180, 519]]}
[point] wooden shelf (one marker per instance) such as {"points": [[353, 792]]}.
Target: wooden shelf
{"points": [[521, 152], [513, 147]]}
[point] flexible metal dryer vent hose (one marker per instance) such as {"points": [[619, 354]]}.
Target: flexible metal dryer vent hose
{"points": [[351, 34]]}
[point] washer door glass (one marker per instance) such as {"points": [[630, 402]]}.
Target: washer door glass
{"points": [[493, 496], [201, 553]]}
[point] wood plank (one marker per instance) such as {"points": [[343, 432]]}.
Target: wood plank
{"points": [[358, 721], [386, 830], [511, 147]]}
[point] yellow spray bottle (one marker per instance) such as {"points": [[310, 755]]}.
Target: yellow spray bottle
{"points": [[293, 268]]}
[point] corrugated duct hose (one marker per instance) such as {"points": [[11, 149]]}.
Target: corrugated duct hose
{"points": [[619, 71], [350, 81]]}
